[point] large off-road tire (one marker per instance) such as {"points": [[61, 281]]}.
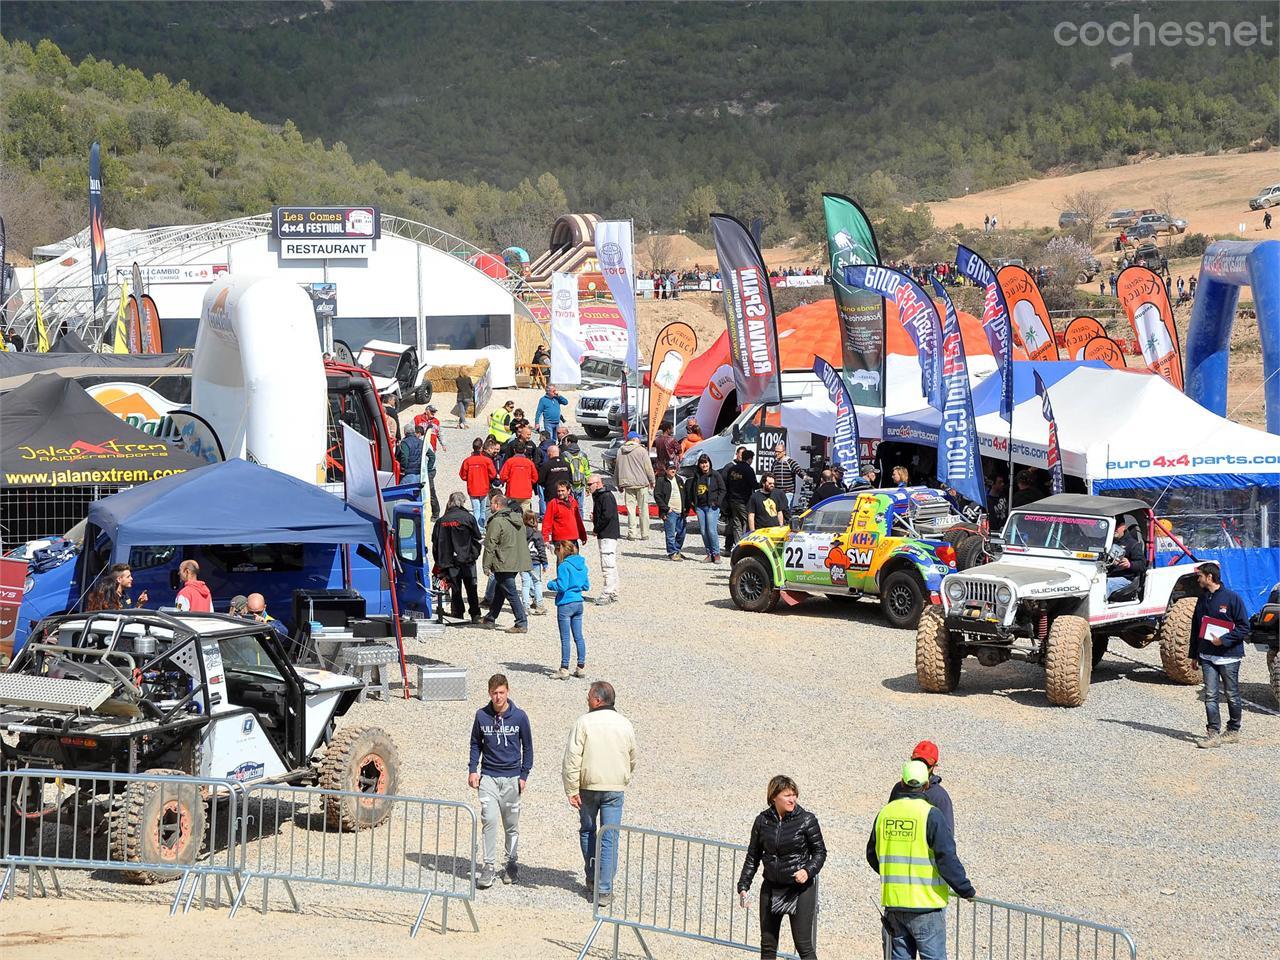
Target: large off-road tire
{"points": [[1099, 649], [902, 599], [970, 552], [937, 658], [751, 586], [594, 432], [1175, 643], [158, 823], [360, 760], [1068, 661], [957, 535], [1273, 668]]}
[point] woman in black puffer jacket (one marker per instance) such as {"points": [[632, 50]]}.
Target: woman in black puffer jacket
{"points": [[787, 840]]}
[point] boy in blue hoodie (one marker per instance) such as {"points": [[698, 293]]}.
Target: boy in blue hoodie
{"points": [[501, 759], [570, 583]]}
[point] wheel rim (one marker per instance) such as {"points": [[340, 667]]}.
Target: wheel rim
{"points": [[371, 777], [900, 600], [751, 584], [172, 828]]}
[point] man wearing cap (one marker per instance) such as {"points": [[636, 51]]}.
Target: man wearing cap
{"points": [[634, 475], [926, 752], [913, 849], [868, 474]]}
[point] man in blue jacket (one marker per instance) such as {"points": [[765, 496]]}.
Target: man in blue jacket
{"points": [[926, 752], [501, 758], [546, 416], [1219, 628]]}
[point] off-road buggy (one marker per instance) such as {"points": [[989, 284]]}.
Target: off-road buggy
{"points": [[1044, 600], [205, 695]]}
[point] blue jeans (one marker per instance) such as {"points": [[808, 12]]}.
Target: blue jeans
{"points": [[411, 478], [922, 935], [569, 616], [1218, 677], [480, 510], [1116, 583], [607, 805], [709, 526], [581, 496], [505, 589], [673, 526], [531, 586]]}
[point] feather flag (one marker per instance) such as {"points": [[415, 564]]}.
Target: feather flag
{"points": [[1054, 452]]}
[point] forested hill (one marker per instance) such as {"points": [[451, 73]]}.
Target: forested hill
{"points": [[661, 111]]}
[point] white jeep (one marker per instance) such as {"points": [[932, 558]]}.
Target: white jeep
{"points": [[1044, 600]]}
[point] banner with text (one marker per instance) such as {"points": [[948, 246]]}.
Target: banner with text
{"points": [[995, 321], [959, 460], [1056, 481], [919, 317], [614, 252], [1030, 315], [675, 346], [1146, 303], [566, 336], [97, 233], [1079, 332], [844, 445], [749, 314], [850, 242]]}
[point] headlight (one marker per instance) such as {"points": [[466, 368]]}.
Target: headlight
{"points": [[615, 407], [1004, 595], [955, 590], [27, 584]]}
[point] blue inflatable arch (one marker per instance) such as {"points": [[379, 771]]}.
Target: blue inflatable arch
{"points": [[1227, 266]]}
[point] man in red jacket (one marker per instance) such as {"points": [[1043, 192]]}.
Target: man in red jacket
{"points": [[193, 595], [479, 473], [563, 519], [519, 474]]}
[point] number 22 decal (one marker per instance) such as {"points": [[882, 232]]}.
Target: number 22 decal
{"points": [[793, 556]]}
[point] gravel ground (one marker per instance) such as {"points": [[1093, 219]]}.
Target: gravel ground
{"points": [[1106, 812]]}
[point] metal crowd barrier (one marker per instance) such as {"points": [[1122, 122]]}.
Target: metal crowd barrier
{"points": [[395, 844], [993, 930], [77, 820], [677, 885]]}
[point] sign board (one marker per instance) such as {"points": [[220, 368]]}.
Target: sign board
{"points": [[324, 299], [326, 223], [325, 249], [13, 575], [174, 273], [766, 440]]}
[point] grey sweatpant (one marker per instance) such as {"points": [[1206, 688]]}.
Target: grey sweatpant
{"points": [[499, 800]]}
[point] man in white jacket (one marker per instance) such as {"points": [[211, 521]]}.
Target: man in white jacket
{"points": [[598, 762]]}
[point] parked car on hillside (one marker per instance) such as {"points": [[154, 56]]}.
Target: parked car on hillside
{"points": [[1267, 197], [1124, 217], [1150, 224], [1070, 218]]}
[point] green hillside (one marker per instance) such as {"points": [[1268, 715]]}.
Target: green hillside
{"points": [[653, 110]]}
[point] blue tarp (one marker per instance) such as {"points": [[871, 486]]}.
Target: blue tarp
{"points": [[232, 502], [921, 426]]}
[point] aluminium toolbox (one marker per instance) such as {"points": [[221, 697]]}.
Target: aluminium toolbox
{"points": [[442, 681]]}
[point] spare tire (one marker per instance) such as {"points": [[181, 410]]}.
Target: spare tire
{"points": [[1175, 643], [971, 552]]}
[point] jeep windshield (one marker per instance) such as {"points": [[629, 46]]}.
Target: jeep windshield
{"points": [[1036, 532], [384, 364]]}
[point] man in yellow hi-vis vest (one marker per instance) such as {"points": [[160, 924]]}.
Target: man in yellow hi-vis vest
{"points": [[500, 422], [914, 851]]}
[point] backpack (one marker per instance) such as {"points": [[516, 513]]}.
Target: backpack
{"points": [[579, 467]]}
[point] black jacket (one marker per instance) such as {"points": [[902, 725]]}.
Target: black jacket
{"points": [[604, 515], [554, 470], [670, 495], [1134, 552], [783, 847], [739, 481], [455, 539], [537, 548], [466, 389], [825, 490], [714, 492]]}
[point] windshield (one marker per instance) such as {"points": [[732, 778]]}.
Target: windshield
{"points": [[383, 364], [1055, 532]]}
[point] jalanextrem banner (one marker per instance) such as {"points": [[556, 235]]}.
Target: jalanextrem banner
{"points": [[749, 314], [851, 241]]}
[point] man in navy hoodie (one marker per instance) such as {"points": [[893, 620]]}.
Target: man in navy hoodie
{"points": [[1219, 628], [926, 752], [501, 758]]}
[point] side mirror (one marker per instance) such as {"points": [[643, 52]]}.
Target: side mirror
{"points": [[995, 544], [797, 523]]}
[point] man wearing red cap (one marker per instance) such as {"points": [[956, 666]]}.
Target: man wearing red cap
{"points": [[926, 752]]}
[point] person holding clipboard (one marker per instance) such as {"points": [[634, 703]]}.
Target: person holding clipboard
{"points": [[1219, 627]]}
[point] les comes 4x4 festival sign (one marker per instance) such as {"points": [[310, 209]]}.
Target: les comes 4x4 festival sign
{"points": [[314, 233]]}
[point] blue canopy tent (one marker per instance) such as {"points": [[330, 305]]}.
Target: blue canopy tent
{"points": [[231, 502]]}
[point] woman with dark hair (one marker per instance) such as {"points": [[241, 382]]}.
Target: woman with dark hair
{"points": [[787, 841], [111, 592], [704, 492]]}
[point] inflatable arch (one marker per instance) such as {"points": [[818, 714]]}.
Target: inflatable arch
{"points": [[1227, 266]]}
